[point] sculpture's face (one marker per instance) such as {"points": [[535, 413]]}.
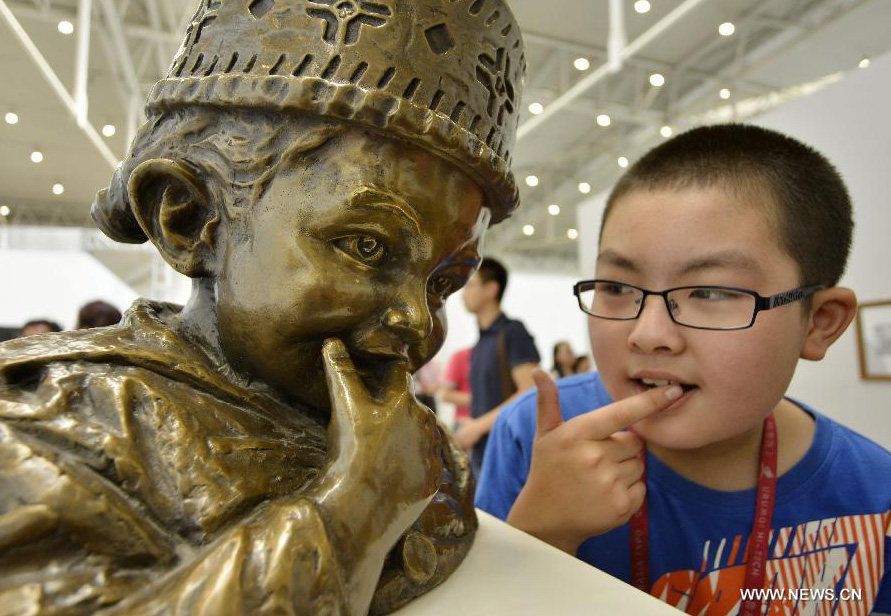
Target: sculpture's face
{"points": [[363, 244]]}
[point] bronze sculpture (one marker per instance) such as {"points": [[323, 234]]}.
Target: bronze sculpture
{"points": [[324, 170]]}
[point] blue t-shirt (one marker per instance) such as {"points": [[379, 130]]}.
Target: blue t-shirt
{"points": [[830, 531]]}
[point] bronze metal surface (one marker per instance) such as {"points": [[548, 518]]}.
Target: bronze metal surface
{"points": [[324, 171]]}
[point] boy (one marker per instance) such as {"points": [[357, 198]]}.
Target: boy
{"points": [[325, 175], [502, 360], [720, 252]]}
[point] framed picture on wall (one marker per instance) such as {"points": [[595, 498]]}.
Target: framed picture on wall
{"points": [[874, 340]]}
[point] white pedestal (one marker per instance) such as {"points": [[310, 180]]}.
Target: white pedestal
{"points": [[509, 572]]}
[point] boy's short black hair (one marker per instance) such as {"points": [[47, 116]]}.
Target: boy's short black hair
{"points": [[492, 269], [808, 203]]}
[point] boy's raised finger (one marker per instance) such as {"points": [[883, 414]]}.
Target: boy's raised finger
{"points": [[617, 416], [547, 403]]}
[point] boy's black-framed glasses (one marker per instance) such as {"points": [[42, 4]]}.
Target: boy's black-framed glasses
{"points": [[700, 307]]}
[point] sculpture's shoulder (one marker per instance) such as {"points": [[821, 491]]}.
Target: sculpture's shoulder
{"points": [[436, 544], [120, 448], [136, 405]]}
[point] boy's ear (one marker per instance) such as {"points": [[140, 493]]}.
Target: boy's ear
{"points": [[832, 310], [173, 209]]}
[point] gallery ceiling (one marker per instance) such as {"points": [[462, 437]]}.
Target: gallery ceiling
{"points": [[586, 112]]}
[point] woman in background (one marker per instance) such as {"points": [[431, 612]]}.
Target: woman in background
{"points": [[564, 360]]}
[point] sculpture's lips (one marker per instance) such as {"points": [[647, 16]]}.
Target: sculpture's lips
{"points": [[374, 365]]}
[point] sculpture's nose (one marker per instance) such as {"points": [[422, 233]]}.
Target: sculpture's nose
{"points": [[409, 316]]}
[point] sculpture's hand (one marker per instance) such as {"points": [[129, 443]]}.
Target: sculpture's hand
{"points": [[385, 465], [392, 439]]}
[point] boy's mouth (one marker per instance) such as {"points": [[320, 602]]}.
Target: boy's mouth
{"points": [[649, 383]]}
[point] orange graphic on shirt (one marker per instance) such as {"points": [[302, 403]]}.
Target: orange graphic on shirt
{"points": [[836, 553]]}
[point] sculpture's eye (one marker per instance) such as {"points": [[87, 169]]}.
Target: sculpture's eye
{"points": [[443, 286], [366, 249]]}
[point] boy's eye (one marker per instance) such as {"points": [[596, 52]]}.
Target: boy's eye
{"points": [[614, 288], [364, 248], [708, 294]]}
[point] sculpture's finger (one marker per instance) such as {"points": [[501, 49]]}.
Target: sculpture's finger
{"points": [[346, 391], [397, 381]]}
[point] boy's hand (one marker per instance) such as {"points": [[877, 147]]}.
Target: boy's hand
{"points": [[585, 477]]}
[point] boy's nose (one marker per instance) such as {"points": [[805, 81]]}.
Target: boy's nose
{"points": [[654, 329]]}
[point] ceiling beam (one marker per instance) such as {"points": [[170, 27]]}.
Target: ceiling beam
{"points": [[601, 170], [55, 83], [600, 73]]}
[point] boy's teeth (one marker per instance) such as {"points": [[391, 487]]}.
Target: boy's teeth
{"points": [[656, 383]]}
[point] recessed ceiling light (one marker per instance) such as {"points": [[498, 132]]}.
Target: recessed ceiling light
{"points": [[12, 118], [4, 210], [864, 63], [584, 188], [581, 64], [109, 130], [58, 189], [528, 230], [36, 157], [532, 181], [726, 29], [604, 120], [66, 27], [623, 162], [572, 234], [657, 80], [724, 93], [554, 209], [642, 6], [536, 108], [665, 131]]}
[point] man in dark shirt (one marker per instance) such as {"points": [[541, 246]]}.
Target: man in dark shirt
{"points": [[502, 361]]}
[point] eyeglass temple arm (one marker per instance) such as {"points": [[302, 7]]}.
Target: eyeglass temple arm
{"points": [[787, 297]]}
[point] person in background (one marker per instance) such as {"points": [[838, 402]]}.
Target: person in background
{"points": [[695, 477], [455, 387], [97, 314], [502, 361], [39, 326], [426, 382], [564, 360], [582, 364]]}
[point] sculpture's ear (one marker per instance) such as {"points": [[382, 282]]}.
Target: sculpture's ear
{"points": [[173, 209]]}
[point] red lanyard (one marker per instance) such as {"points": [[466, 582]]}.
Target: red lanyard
{"points": [[765, 499]]}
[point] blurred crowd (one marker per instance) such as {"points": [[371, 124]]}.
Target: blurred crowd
{"points": [[97, 313]]}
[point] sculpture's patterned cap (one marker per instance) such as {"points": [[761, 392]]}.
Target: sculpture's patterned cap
{"points": [[444, 74]]}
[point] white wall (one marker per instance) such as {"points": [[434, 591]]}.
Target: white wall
{"points": [[850, 122], [54, 285]]}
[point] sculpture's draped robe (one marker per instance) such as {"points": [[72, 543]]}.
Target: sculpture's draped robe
{"points": [[130, 468]]}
